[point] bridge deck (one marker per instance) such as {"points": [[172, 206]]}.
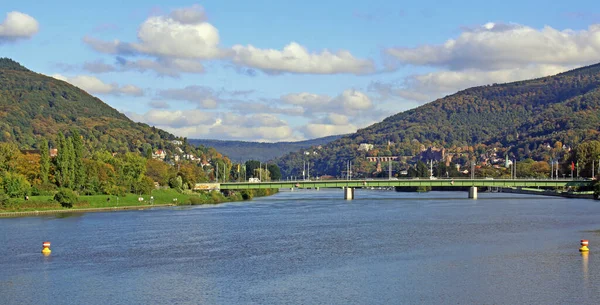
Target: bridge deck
{"points": [[405, 182]]}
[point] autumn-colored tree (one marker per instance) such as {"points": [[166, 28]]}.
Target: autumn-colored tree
{"points": [[28, 165]]}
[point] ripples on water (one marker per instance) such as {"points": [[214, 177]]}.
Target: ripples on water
{"points": [[311, 247]]}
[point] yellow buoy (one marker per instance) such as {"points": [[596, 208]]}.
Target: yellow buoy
{"points": [[584, 246], [46, 248]]}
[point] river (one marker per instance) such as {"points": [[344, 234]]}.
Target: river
{"points": [[312, 247]]}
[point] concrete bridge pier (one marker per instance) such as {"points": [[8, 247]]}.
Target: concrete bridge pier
{"points": [[473, 192], [348, 193]]}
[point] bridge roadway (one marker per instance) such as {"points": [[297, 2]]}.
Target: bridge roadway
{"points": [[349, 185]]}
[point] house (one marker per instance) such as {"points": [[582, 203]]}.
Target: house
{"points": [[189, 157], [159, 154], [176, 142], [53, 152], [365, 147]]}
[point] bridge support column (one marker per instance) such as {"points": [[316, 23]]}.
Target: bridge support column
{"points": [[348, 193], [473, 192]]}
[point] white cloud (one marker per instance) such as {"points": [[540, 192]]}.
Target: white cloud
{"points": [[166, 37], [427, 87], [312, 131], [93, 85], [162, 66], [17, 25], [295, 58], [97, 66], [450, 81], [501, 46], [202, 97], [177, 118], [348, 102], [180, 40], [217, 125], [491, 53], [189, 15]]}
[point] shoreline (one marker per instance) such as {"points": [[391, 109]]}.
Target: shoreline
{"points": [[548, 193], [82, 210]]}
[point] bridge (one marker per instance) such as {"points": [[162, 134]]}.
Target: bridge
{"points": [[349, 185]]}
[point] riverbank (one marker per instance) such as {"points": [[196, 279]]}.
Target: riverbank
{"points": [[44, 205], [83, 210], [579, 195]]}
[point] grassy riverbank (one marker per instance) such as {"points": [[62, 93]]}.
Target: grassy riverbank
{"points": [[105, 202]]}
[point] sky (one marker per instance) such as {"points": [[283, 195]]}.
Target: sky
{"points": [[274, 71]]}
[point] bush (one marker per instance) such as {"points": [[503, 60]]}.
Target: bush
{"points": [[144, 186], [66, 197], [3, 199], [15, 185], [247, 194], [44, 189]]}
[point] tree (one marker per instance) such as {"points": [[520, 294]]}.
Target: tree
{"points": [[251, 165], [28, 165], [159, 171], [78, 170], [14, 185], [66, 197], [274, 172], [62, 161], [131, 169], [9, 154], [144, 186], [44, 161]]}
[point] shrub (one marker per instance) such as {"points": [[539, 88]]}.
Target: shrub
{"points": [[247, 194], [3, 198], [15, 185], [66, 197]]}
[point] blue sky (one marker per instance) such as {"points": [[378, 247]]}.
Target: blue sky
{"points": [[291, 70]]}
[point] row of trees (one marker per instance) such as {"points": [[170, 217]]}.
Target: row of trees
{"points": [[77, 169]]}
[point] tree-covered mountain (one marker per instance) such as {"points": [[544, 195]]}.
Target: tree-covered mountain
{"points": [[521, 117], [34, 106], [242, 150]]}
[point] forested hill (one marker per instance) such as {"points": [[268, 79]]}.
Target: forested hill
{"points": [[519, 116], [241, 150], [35, 106]]}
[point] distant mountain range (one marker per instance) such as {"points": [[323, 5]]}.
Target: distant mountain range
{"points": [[243, 151], [520, 117]]}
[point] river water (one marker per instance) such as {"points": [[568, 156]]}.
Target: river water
{"points": [[312, 247]]}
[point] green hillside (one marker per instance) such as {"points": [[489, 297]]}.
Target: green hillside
{"points": [[517, 117], [242, 150], [35, 106]]}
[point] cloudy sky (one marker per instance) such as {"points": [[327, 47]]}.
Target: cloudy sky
{"points": [[291, 70]]}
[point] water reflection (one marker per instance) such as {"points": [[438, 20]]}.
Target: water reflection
{"points": [[584, 264]]}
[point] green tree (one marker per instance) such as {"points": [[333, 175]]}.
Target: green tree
{"points": [[251, 165], [274, 172], [9, 155], [62, 161], [78, 169], [15, 185], [131, 168], [44, 161]]}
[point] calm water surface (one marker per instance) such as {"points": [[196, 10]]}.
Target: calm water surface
{"points": [[312, 247]]}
